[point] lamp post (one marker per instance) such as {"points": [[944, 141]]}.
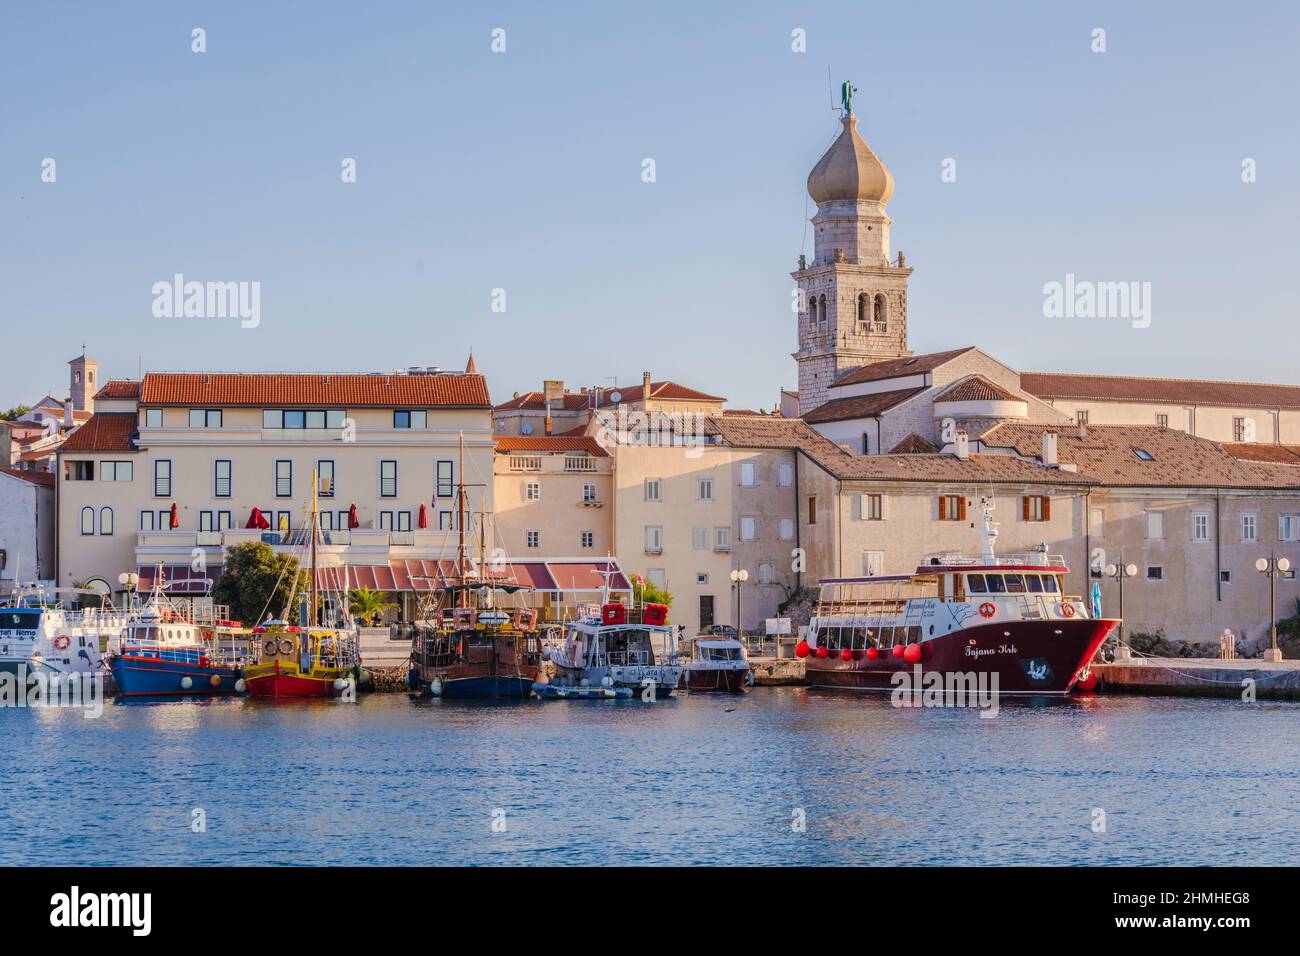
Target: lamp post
{"points": [[1120, 572], [129, 580], [1273, 567], [738, 579]]}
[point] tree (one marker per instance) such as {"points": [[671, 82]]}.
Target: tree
{"points": [[647, 592], [13, 413], [364, 603], [248, 582]]}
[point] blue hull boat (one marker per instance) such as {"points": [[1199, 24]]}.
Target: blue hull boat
{"points": [[487, 687], [153, 676], [561, 692]]}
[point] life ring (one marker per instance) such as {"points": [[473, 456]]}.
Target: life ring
{"points": [[988, 609], [287, 646], [1067, 610], [61, 642], [270, 646]]}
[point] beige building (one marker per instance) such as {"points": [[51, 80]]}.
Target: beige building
{"points": [[210, 448], [556, 410], [553, 496]]}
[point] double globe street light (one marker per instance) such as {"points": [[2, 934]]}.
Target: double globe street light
{"points": [[1274, 567], [738, 579], [1121, 572]]}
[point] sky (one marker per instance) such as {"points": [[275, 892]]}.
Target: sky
{"points": [[522, 171]]}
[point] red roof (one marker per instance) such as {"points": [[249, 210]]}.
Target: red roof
{"points": [[574, 401], [977, 388], [1278, 454], [105, 431], [1176, 391], [119, 388], [860, 406], [447, 389], [35, 477], [512, 443], [894, 368]]}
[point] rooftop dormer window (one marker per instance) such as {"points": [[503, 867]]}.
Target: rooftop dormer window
{"points": [[1143, 454]]}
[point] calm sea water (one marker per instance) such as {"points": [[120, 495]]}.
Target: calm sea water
{"points": [[699, 779]]}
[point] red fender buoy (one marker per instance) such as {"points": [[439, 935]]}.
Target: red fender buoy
{"points": [[821, 651], [872, 653], [846, 655], [897, 650], [801, 649], [912, 654], [1086, 685]]}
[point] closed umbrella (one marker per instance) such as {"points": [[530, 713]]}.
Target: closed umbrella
{"points": [[424, 517], [352, 517], [257, 520], [176, 518]]}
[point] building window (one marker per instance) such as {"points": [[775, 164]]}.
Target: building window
{"points": [[221, 478], [588, 539], [704, 489], [162, 478], [444, 475], [205, 418], [533, 491], [588, 494], [146, 520], [873, 563], [866, 444], [952, 508], [105, 520], [87, 520], [81, 471], [785, 474], [333, 418], [787, 529], [747, 474], [700, 539], [446, 521], [1036, 508], [1225, 577], [654, 539], [388, 479], [283, 479], [702, 578], [748, 528], [764, 572], [206, 521], [1143, 454], [864, 307], [812, 509], [722, 539], [873, 507], [1201, 526], [1155, 572], [821, 310], [1162, 421], [115, 471], [1096, 522], [706, 610], [1155, 525], [1249, 527], [652, 489], [325, 478], [1240, 430], [658, 577], [1081, 416], [1288, 527], [881, 315], [415, 418]]}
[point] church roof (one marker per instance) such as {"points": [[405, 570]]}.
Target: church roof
{"points": [[850, 170], [899, 367], [913, 444], [860, 406], [1176, 391], [977, 388]]}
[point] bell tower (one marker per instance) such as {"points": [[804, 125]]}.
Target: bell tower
{"points": [[852, 295]]}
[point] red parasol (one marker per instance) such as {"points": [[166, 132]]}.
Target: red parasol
{"points": [[257, 520], [176, 518], [352, 517], [424, 517]]}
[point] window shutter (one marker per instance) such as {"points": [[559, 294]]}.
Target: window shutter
{"points": [[942, 511], [1047, 508], [1024, 508], [884, 507], [864, 506], [961, 508]]}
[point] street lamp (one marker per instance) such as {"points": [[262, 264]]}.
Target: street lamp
{"points": [[129, 580], [1274, 567], [738, 579], [1120, 572]]}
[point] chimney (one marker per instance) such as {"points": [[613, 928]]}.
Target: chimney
{"points": [[645, 386], [67, 412], [548, 426], [1083, 431], [553, 390], [1049, 446], [963, 444]]}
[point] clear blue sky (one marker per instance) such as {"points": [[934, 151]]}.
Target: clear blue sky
{"points": [[522, 171]]}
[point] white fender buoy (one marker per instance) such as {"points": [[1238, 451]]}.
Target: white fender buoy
{"points": [[435, 687], [610, 693], [340, 683], [585, 682], [186, 683], [240, 686], [607, 681]]}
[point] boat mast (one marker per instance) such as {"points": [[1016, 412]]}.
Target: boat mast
{"points": [[311, 619], [460, 524]]}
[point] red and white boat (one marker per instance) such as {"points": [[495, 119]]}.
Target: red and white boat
{"points": [[956, 614]]}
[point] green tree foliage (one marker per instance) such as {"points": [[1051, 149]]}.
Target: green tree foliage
{"points": [[645, 592], [366, 604], [248, 581], [14, 412]]}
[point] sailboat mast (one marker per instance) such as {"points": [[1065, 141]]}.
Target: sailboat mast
{"points": [[311, 619], [460, 524]]}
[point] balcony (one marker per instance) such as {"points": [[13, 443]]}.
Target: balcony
{"points": [[579, 463], [525, 463]]}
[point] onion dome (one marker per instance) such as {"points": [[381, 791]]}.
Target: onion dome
{"points": [[850, 170]]}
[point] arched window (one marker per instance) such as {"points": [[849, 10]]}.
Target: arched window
{"points": [[821, 311], [812, 311], [864, 301], [87, 520], [881, 316], [105, 520]]}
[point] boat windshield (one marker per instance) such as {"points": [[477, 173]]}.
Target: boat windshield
{"points": [[625, 646], [20, 620]]}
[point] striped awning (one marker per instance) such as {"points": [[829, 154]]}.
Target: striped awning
{"points": [[588, 577], [178, 578], [427, 575]]}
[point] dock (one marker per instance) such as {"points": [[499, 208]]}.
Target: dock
{"points": [[1201, 677], [776, 671]]}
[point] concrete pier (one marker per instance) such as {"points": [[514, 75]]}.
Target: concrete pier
{"points": [[1200, 677], [776, 671]]}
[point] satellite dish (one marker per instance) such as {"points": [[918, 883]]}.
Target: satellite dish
{"points": [[527, 429], [616, 397]]}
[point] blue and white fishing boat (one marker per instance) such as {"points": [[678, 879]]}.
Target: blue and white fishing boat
{"points": [[38, 634], [616, 649], [163, 652]]}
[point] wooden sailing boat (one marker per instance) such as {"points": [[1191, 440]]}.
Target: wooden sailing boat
{"points": [[468, 647], [306, 660]]}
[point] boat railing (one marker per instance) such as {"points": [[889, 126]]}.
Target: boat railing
{"points": [[1011, 559]]}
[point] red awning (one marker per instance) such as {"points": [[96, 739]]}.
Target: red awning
{"points": [[587, 576], [178, 578]]}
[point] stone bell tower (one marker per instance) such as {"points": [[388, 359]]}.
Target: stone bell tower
{"points": [[853, 297]]}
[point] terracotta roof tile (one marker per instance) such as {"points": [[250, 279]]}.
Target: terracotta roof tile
{"points": [[893, 368], [1277, 454], [976, 388], [913, 444], [106, 431], [860, 406], [550, 443], [1109, 453], [119, 388], [45, 478], [574, 401], [1123, 388], [448, 389]]}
